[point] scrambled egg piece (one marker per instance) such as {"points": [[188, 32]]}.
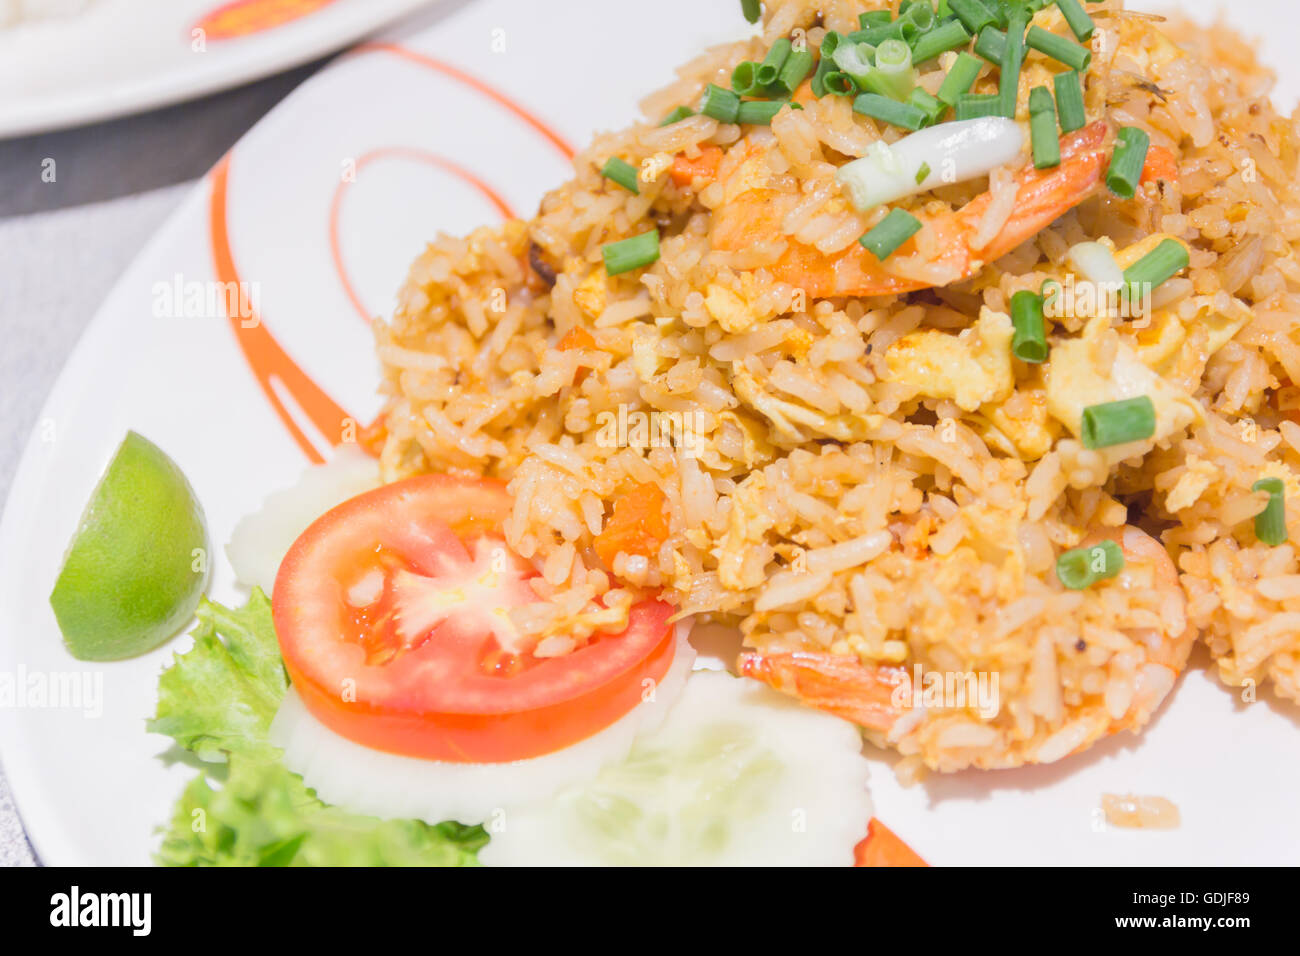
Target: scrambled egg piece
{"points": [[1074, 382], [1022, 423], [1191, 484], [728, 309], [592, 294], [972, 368]]}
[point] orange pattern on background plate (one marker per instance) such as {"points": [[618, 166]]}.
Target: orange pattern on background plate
{"points": [[881, 847], [397, 152], [245, 17], [269, 362]]}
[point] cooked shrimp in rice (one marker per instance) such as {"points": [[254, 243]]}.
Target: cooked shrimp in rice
{"points": [[966, 384]]}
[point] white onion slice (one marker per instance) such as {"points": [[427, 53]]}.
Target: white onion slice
{"points": [[380, 784], [260, 540], [954, 153], [1096, 263]]}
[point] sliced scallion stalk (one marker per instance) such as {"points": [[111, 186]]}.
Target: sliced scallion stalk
{"points": [[945, 37], [973, 14], [1029, 343], [961, 77], [629, 254], [1159, 265], [1042, 128], [760, 112], [751, 9], [1069, 101], [931, 106], [886, 236], [1126, 162], [622, 172], [720, 104], [770, 68], [1081, 24], [991, 44], [1058, 48], [975, 105], [794, 71], [677, 115], [1270, 524], [890, 111], [1013, 59], [1081, 568], [1118, 423]]}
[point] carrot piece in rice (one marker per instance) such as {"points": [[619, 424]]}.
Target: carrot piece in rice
{"points": [[638, 525], [704, 166]]}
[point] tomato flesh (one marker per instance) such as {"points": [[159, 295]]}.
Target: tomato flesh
{"points": [[392, 614]]}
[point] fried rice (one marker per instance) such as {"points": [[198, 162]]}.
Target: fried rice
{"points": [[818, 487]]}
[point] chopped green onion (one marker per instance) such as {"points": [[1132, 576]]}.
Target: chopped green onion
{"points": [[991, 44], [921, 14], [743, 79], [855, 60], [1270, 524], [751, 9], [622, 172], [960, 78], [975, 105], [629, 254], [1162, 263], [932, 107], [901, 29], [922, 173], [825, 63], [1059, 48], [945, 37], [1013, 59], [889, 111], [972, 13], [721, 104], [770, 68], [760, 112], [839, 83], [874, 18], [886, 236], [797, 67], [1080, 568], [1029, 343], [1117, 423], [1081, 24], [677, 115], [1042, 129], [893, 75], [1069, 101], [1126, 162]]}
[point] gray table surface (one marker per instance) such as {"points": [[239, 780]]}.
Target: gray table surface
{"points": [[116, 183]]}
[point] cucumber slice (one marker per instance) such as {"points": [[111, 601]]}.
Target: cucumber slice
{"points": [[736, 775]]}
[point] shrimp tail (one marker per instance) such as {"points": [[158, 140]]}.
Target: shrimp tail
{"points": [[834, 683]]}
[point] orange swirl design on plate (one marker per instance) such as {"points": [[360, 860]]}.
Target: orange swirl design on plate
{"points": [[245, 17]]}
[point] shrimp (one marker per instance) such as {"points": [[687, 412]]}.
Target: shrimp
{"points": [[1144, 640], [1042, 196]]}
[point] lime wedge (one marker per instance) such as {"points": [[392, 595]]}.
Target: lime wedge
{"points": [[136, 567]]}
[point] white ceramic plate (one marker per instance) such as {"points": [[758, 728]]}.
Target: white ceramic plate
{"points": [[123, 56], [444, 131]]}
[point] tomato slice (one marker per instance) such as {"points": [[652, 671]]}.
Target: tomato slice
{"points": [[391, 611]]}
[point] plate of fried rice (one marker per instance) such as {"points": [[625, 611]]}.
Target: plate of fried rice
{"points": [[935, 365], [66, 62]]}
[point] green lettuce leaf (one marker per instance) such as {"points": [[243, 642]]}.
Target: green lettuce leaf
{"points": [[263, 815], [247, 809], [218, 698]]}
